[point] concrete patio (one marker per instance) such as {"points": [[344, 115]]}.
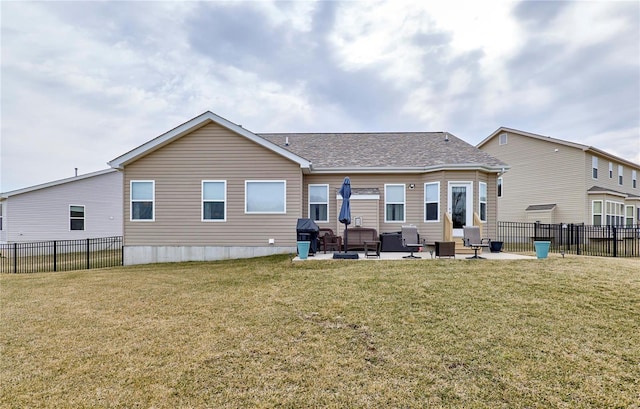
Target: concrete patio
{"points": [[425, 255]]}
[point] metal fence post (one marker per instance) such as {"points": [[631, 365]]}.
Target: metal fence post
{"points": [[55, 255], [15, 258], [88, 254], [615, 241]]}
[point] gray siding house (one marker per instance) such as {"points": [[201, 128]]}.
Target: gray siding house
{"points": [[210, 189], [80, 207], [557, 181]]}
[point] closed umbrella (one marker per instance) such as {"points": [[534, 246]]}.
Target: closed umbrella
{"points": [[345, 211]]}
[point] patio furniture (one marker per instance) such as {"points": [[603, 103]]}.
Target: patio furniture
{"points": [[329, 241], [472, 239], [446, 249], [372, 248], [358, 235], [410, 240]]}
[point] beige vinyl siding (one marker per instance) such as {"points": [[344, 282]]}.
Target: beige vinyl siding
{"points": [[541, 175], [212, 153], [43, 214], [414, 206]]}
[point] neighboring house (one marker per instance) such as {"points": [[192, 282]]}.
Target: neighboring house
{"points": [[80, 207], [556, 181], [210, 189]]}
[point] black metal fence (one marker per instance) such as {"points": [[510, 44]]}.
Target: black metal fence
{"points": [[607, 241], [60, 255]]}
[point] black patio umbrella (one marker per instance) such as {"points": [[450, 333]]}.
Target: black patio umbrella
{"points": [[345, 211]]}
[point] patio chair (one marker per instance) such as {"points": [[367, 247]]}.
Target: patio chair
{"points": [[410, 240], [472, 239], [331, 242]]}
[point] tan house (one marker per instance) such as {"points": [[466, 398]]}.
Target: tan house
{"points": [[556, 181], [210, 189]]}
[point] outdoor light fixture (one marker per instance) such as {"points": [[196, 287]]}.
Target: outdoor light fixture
{"points": [[412, 186]]}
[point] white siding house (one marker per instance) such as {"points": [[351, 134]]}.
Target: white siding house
{"points": [[80, 207]]}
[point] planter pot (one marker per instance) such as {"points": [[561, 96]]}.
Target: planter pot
{"points": [[496, 246], [303, 249], [542, 248]]}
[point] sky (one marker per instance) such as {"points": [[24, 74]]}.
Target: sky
{"points": [[82, 83]]}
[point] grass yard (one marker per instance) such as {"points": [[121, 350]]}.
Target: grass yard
{"points": [[263, 333]]}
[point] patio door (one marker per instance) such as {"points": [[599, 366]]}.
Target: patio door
{"points": [[460, 206]]}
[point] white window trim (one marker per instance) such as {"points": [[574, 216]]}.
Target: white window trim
{"points": [[634, 179], [310, 202], [202, 201], [500, 140], [626, 215], [610, 170], [403, 203], [1, 216], [247, 182], [437, 220], [153, 201], [486, 202], [615, 216], [84, 217], [593, 213], [594, 167], [500, 187]]}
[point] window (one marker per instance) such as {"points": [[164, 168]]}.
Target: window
{"points": [[634, 179], [319, 203], [503, 139], [76, 217], [614, 213], [620, 173], [214, 200], [1, 205], [596, 212], [500, 187], [483, 201], [629, 215], [610, 170], [432, 202], [394, 203], [265, 196], [142, 199], [594, 167]]}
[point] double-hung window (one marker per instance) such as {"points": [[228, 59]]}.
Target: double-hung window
{"points": [[483, 201], [432, 202], [629, 215], [319, 203], [620, 173], [596, 212], [76, 217], [394, 198], [265, 196], [634, 179], [503, 139], [1, 206], [614, 213], [214, 200], [610, 170], [594, 167], [142, 200]]}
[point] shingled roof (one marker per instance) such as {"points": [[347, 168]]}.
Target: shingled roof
{"points": [[385, 151]]}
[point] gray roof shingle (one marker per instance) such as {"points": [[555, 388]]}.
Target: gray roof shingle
{"points": [[382, 150]]}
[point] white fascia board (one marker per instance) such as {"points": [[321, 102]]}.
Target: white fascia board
{"points": [[193, 124], [418, 169], [608, 192], [56, 183]]}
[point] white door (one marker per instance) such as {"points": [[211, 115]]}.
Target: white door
{"points": [[460, 206]]}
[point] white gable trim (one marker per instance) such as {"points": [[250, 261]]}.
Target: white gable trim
{"points": [[56, 183], [193, 124]]}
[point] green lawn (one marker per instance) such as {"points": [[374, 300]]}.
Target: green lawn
{"points": [[268, 332]]}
